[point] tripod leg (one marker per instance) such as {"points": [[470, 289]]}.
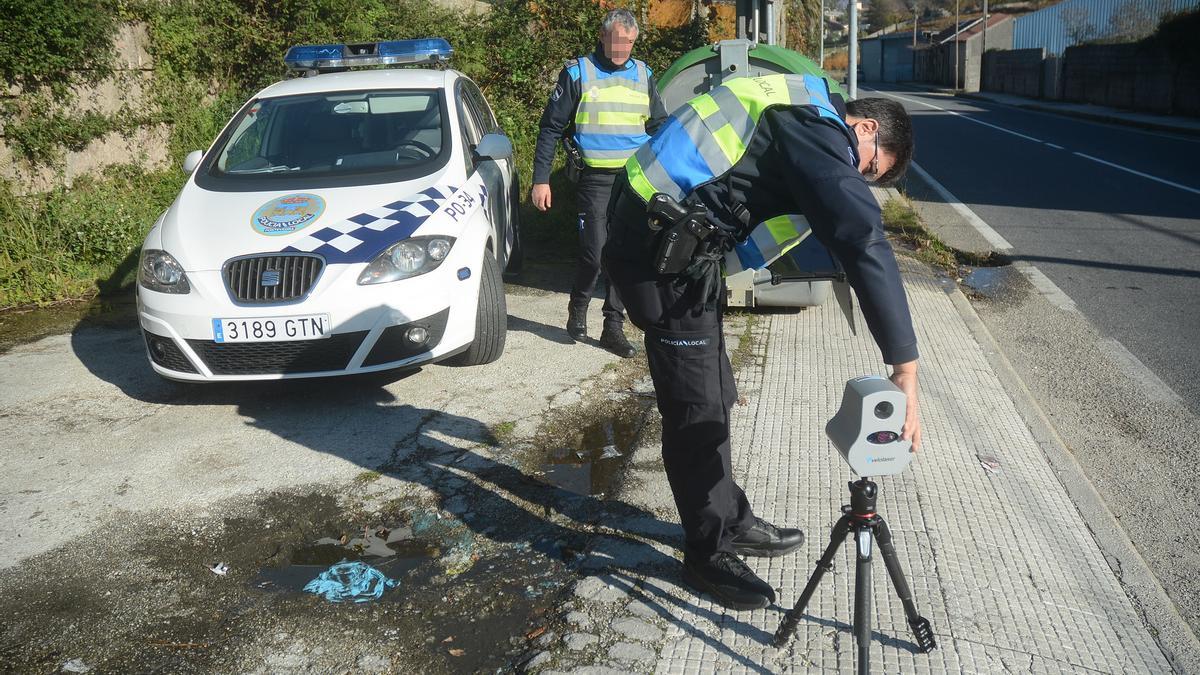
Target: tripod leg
{"points": [[919, 624], [862, 598], [788, 627]]}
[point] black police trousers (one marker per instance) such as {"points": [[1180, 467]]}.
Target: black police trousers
{"points": [[693, 381], [594, 190]]}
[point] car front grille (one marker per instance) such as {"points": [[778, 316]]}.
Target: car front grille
{"points": [[272, 277], [277, 358]]}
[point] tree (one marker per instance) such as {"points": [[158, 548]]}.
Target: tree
{"points": [[803, 23], [1078, 22], [1131, 21], [883, 13]]}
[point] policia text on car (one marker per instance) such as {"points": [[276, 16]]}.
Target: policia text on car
{"points": [[603, 108], [776, 150]]}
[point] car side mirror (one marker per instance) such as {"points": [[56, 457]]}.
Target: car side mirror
{"points": [[192, 161], [494, 146]]}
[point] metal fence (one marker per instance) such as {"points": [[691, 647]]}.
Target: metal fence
{"points": [[1069, 23]]}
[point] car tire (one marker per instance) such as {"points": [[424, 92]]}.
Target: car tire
{"points": [[491, 319], [516, 257]]}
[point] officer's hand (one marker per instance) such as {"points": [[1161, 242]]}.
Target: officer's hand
{"points": [[904, 375], [540, 196]]}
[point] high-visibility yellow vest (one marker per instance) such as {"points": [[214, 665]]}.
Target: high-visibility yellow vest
{"points": [[703, 140], [610, 121]]}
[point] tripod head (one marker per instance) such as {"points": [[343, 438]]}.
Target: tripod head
{"points": [[866, 428]]}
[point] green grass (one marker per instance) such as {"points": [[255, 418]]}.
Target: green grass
{"points": [[502, 432], [367, 477], [72, 243], [902, 221]]}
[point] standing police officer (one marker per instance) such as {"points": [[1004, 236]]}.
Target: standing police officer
{"points": [[610, 101], [759, 159]]}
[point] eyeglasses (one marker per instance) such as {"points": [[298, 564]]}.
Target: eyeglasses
{"points": [[873, 169]]}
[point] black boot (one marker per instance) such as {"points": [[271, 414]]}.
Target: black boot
{"points": [[577, 321], [765, 540], [729, 580], [613, 339]]}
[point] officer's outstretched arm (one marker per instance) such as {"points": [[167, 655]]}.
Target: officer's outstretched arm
{"points": [[904, 375]]}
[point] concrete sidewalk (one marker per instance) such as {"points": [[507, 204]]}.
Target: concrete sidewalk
{"points": [[1189, 126], [1000, 560]]}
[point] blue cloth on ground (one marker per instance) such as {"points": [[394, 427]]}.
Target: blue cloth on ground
{"points": [[355, 581]]}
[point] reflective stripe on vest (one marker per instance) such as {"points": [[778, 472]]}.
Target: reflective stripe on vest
{"points": [[610, 122], [767, 243], [702, 140]]}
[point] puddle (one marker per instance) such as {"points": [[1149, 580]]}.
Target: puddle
{"points": [[401, 557], [22, 326], [990, 282], [414, 552], [588, 460]]}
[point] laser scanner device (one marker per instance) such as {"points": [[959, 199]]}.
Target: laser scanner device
{"points": [[866, 428]]}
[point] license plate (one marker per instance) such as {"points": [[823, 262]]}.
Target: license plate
{"points": [[272, 329]]}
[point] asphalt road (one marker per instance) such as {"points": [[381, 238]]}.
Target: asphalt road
{"points": [[1110, 214]]}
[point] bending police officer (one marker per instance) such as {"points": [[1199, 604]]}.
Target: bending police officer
{"points": [[605, 102], [761, 157]]}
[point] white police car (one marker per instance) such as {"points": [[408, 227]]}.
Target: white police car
{"points": [[343, 222]]}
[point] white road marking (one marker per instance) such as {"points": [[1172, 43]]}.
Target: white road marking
{"points": [[958, 114], [1052, 145], [1039, 280], [1046, 287], [1139, 173], [1151, 384], [993, 237]]}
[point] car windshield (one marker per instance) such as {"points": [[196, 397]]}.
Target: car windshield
{"points": [[335, 133]]}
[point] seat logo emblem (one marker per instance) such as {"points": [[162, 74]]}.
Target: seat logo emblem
{"points": [[269, 279]]}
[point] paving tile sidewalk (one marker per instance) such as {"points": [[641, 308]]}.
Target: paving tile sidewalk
{"points": [[999, 561]]}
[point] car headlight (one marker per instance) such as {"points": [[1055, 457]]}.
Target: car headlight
{"points": [[408, 258], [159, 271]]}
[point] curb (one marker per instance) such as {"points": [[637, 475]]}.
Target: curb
{"points": [[1094, 117], [1158, 613]]}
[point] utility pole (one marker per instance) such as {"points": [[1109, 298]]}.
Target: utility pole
{"points": [[821, 29], [915, 29], [852, 75], [957, 26], [983, 45]]}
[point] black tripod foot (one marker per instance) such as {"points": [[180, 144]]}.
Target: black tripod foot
{"points": [[924, 634]]}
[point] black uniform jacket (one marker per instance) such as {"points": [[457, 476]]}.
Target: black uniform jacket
{"points": [[798, 162], [560, 114]]}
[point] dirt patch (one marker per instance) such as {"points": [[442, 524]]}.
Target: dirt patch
{"points": [[142, 596]]}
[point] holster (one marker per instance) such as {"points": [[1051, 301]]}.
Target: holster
{"points": [[683, 230], [574, 165]]}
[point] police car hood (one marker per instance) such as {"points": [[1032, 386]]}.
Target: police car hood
{"points": [[203, 229]]}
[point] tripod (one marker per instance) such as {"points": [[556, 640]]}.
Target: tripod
{"points": [[860, 517]]}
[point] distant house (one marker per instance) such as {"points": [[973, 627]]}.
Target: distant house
{"points": [[935, 63], [887, 57]]}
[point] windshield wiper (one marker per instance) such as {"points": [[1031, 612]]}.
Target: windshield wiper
{"points": [[266, 169]]}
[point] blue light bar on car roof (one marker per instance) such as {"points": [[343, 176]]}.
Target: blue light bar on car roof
{"points": [[389, 53]]}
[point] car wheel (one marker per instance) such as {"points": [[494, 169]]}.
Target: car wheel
{"points": [[516, 257], [491, 319]]}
